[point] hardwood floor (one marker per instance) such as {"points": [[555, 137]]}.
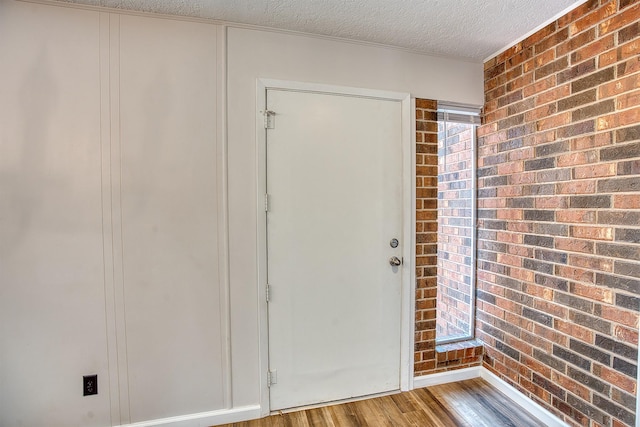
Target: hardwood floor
{"points": [[467, 403]]}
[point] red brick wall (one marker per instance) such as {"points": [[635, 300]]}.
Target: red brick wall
{"points": [[559, 214], [426, 235]]}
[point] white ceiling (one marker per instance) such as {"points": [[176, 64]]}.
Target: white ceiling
{"points": [[465, 29]]}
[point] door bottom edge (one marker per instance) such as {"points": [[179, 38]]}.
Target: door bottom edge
{"points": [[334, 402]]}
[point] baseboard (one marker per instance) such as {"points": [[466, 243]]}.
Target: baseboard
{"points": [[521, 400], [447, 377], [245, 413], [204, 419]]}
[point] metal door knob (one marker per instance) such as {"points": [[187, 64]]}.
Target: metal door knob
{"points": [[395, 261]]}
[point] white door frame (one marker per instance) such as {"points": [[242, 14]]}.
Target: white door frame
{"points": [[408, 218]]}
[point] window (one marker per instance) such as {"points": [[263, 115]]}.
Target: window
{"points": [[456, 222]]}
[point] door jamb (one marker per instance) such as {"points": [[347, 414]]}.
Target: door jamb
{"points": [[408, 216]]}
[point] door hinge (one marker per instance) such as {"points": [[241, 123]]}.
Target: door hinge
{"points": [[266, 203], [269, 119], [272, 378], [268, 293]]}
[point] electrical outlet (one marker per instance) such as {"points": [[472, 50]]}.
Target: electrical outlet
{"points": [[89, 385]]}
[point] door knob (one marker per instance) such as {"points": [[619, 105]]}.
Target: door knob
{"points": [[395, 261]]}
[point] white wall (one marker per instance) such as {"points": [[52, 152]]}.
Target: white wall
{"points": [[113, 248], [111, 261], [52, 317], [169, 193], [253, 54]]}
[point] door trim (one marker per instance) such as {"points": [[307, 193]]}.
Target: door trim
{"points": [[408, 218]]}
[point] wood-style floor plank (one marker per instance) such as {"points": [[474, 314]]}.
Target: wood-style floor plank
{"points": [[404, 403], [470, 403], [342, 416], [434, 410]]}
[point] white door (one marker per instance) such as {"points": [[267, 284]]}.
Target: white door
{"points": [[334, 180]]}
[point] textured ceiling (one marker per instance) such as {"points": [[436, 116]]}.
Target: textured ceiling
{"points": [[465, 29]]}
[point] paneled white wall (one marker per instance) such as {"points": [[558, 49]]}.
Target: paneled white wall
{"points": [[170, 234], [111, 257], [52, 315], [113, 233]]}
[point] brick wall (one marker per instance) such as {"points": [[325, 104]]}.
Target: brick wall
{"points": [[559, 214], [426, 235], [455, 204]]}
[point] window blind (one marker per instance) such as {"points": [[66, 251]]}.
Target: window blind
{"points": [[458, 113]]}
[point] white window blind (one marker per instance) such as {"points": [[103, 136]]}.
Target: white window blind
{"points": [[458, 113]]}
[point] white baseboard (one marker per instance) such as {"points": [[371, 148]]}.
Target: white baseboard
{"points": [[447, 377], [204, 419], [245, 413], [521, 400]]}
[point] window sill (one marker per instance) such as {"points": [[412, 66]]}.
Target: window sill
{"points": [[461, 352]]}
